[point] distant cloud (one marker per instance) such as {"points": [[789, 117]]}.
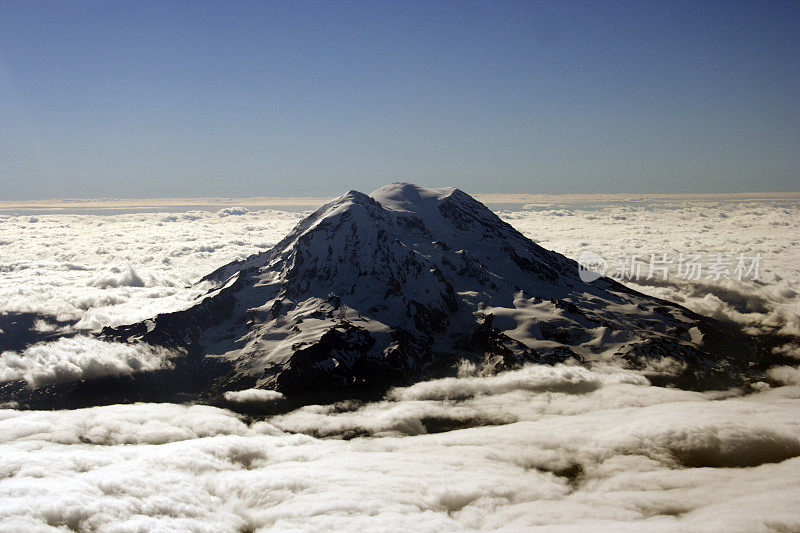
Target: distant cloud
{"points": [[727, 224], [93, 271], [233, 211]]}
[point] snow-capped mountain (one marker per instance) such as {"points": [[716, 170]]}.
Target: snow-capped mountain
{"points": [[406, 282]]}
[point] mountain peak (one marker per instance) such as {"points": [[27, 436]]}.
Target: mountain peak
{"points": [[351, 197], [402, 283]]}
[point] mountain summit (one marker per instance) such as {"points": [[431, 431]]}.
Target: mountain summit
{"points": [[404, 284]]}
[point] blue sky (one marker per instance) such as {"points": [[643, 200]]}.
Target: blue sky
{"points": [[189, 98]]}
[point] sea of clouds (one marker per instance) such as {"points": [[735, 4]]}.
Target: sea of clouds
{"points": [[615, 230], [562, 448]]}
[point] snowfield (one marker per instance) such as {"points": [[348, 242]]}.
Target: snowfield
{"points": [[563, 448]]}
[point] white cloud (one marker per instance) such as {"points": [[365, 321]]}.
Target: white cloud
{"points": [[253, 396], [673, 226], [80, 357], [791, 349], [233, 211], [101, 270], [787, 375], [42, 326], [116, 277], [559, 378], [624, 456]]}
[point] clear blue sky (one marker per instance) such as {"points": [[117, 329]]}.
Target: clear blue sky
{"points": [[189, 98]]}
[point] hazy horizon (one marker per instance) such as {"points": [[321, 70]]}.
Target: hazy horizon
{"points": [[494, 200]]}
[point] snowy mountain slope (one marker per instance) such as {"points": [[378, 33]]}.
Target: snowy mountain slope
{"points": [[399, 285], [390, 287]]}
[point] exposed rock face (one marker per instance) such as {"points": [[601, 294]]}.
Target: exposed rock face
{"points": [[401, 284]]}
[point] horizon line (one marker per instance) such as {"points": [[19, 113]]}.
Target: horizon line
{"points": [[312, 201]]}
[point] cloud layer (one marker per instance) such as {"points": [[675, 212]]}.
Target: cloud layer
{"points": [[620, 455], [561, 448], [91, 271], [613, 229]]}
